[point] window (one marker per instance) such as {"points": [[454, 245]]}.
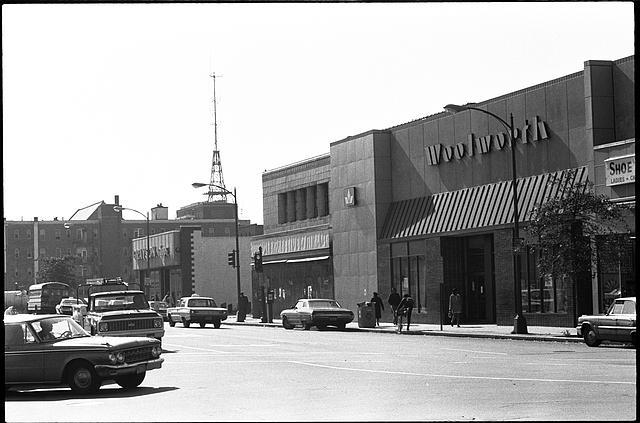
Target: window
{"points": [[43, 252], [211, 231], [29, 271], [17, 252], [57, 233], [137, 233], [58, 252], [124, 234], [95, 234], [542, 293], [28, 233], [29, 253], [629, 307], [68, 251], [16, 234], [42, 234]]}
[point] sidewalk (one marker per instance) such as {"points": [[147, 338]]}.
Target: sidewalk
{"points": [[535, 333]]}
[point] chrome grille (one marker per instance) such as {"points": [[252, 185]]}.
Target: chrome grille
{"points": [[138, 354], [126, 325]]}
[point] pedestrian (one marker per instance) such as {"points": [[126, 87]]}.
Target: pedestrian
{"points": [[243, 307], [404, 309], [455, 307], [378, 306], [394, 300]]}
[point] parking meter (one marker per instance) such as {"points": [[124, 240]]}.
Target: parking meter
{"points": [[270, 305]]}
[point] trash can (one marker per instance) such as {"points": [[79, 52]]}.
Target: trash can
{"points": [[366, 315]]}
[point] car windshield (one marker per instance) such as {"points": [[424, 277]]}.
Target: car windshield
{"points": [[324, 304], [134, 301], [202, 302], [56, 328]]}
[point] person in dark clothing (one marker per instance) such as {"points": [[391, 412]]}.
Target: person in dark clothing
{"points": [[404, 309], [379, 306], [455, 307], [243, 307], [394, 300]]}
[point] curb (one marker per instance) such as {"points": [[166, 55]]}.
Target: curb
{"points": [[518, 337]]}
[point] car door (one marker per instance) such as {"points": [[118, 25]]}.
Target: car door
{"points": [[23, 355], [626, 321], [607, 324]]}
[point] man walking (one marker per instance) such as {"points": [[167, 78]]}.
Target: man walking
{"points": [[404, 309], [378, 307], [394, 300], [455, 307]]}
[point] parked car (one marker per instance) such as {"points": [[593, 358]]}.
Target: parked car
{"points": [[54, 350], [316, 312], [196, 309], [66, 305], [617, 324], [159, 307]]}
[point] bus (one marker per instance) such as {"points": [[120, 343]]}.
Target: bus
{"points": [[43, 297]]}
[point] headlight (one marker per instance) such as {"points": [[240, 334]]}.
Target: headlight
{"points": [[112, 358], [156, 351], [120, 357], [103, 327], [157, 323]]}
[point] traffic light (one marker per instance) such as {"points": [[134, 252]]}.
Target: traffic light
{"points": [[257, 260], [231, 258]]}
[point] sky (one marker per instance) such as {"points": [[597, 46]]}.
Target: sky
{"points": [[116, 99]]}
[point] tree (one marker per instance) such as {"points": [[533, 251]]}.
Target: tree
{"points": [[565, 228], [58, 269]]}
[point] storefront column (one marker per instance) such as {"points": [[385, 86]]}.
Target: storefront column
{"points": [[321, 200], [301, 210], [434, 277], [311, 202]]}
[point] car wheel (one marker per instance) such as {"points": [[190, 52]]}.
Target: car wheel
{"points": [[185, 323], [171, 322], [216, 324], [286, 324], [321, 327], [590, 337], [634, 339], [307, 326], [83, 379], [342, 326], [203, 324], [130, 381]]}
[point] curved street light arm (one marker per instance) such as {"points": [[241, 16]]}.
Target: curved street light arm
{"points": [[120, 208]]}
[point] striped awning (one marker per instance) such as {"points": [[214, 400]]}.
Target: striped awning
{"points": [[476, 207]]}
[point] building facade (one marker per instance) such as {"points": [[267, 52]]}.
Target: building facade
{"points": [[426, 206], [183, 253]]}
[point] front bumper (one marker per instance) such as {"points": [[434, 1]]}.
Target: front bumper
{"points": [[579, 330], [115, 370]]}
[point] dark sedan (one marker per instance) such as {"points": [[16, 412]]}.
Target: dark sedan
{"points": [[316, 312], [617, 324], [53, 350]]}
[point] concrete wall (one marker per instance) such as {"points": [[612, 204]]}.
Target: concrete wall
{"points": [[213, 275]]}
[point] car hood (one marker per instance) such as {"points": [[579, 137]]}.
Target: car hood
{"points": [[120, 314], [107, 342]]}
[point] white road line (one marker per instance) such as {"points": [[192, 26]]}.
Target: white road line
{"points": [[479, 352], [196, 348], [466, 377]]}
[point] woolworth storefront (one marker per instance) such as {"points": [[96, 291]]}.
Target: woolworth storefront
{"points": [[427, 206]]}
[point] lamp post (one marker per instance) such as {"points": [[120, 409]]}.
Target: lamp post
{"points": [[519, 321], [237, 255], [118, 209]]}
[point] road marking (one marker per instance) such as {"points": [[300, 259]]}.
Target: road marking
{"points": [[196, 348], [479, 352], [464, 377]]}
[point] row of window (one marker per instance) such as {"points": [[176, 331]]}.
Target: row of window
{"points": [[81, 234], [82, 252], [303, 203]]}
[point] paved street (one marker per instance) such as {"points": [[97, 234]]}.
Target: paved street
{"points": [[249, 373]]}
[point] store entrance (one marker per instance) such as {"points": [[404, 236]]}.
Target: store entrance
{"points": [[468, 266]]}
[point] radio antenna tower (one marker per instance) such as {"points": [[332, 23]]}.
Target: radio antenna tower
{"points": [[217, 190]]}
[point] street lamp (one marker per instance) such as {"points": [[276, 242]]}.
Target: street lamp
{"points": [[118, 209], [519, 321], [235, 202]]}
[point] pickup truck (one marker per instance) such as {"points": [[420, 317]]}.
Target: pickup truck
{"points": [[196, 309], [119, 313]]}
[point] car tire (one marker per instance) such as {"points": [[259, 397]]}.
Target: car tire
{"points": [[286, 324], [342, 326], [216, 324], [590, 337], [82, 378], [321, 327], [130, 381], [203, 324], [307, 326], [171, 322], [185, 323]]}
